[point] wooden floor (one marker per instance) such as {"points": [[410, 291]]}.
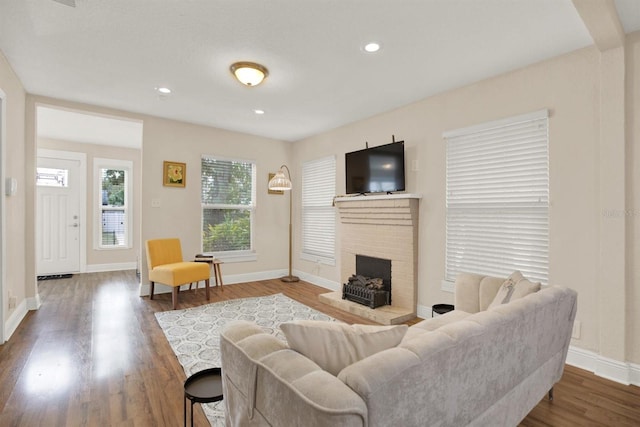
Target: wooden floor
{"points": [[94, 355]]}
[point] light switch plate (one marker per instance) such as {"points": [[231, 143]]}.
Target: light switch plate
{"points": [[11, 186]]}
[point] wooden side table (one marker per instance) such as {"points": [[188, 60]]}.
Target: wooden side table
{"points": [[217, 272]]}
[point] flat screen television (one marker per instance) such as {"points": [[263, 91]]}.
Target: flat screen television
{"points": [[375, 170]]}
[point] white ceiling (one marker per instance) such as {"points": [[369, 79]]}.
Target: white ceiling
{"points": [[75, 126], [114, 53]]}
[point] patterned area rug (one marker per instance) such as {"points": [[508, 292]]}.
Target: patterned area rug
{"points": [[194, 333]]}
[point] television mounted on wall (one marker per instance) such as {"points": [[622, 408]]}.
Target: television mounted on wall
{"points": [[375, 170]]}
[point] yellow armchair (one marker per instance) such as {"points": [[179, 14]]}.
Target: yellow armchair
{"points": [[164, 258]]}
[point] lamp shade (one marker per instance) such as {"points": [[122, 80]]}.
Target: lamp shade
{"points": [[280, 182], [249, 73]]}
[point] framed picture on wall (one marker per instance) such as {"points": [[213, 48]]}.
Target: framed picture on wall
{"points": [[174, 174]]}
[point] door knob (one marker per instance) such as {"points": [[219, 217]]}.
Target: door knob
{"points": [[75, 225]]}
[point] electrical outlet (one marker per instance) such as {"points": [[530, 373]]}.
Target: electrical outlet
{"points": [[576, 330], [13, 300]]}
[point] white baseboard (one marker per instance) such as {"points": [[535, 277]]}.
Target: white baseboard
{"points": [[319, 281], [34, 303], [226, 279], [99, 268], [621, 372], [253, 277], [14, 320], [424, 311]]}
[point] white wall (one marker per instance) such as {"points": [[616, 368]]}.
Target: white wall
{"points": [[180, 215], [632, 306], [570, 87], [14, 206]]}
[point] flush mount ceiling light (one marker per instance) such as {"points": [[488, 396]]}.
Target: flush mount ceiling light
{"points": [[249, 73], [164, 90]]}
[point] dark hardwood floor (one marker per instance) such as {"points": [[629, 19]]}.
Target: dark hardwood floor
{"points": [[94, 355]]}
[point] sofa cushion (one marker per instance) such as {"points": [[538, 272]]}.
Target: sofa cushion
{"points": [[333, 346], [489, 287], [515, 287]]}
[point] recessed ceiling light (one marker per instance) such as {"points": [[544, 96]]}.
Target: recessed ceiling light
{"points": [[258, 111], [372, 47], [164, 90]]}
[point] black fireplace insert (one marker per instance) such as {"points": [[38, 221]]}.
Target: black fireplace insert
{"points": [[371, 284]]}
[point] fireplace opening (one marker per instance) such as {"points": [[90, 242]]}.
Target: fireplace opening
{"points": [[371, 283]]}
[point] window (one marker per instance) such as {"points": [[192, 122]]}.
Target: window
{"points": [[318, 214], [47, 177], [113, 182], [497, 200], [228, 203]]}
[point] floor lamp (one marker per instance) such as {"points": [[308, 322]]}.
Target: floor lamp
{"points": [[280, 182]]}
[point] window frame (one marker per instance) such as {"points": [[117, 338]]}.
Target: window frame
{"points": [[328, 174], [99, 164], [524, 203], [235, 255]]}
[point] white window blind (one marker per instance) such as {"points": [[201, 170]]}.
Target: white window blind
{"points": [[497, 200], [318, 214], [228, 202]]}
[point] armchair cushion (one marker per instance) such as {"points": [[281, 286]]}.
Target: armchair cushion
{"points": [[180, 273]]}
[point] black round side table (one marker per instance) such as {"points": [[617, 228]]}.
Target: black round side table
{"points": [[441, 309], [202, 387]]}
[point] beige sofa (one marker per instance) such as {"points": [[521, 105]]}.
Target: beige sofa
{"points": [[473, 366]]}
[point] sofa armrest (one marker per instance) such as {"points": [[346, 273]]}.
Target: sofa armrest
{"points": [[268, 384], [474, 292]]}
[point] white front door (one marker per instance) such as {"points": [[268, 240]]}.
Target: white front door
{"points": [[58, 220]]}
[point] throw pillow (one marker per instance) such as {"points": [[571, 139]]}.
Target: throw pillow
{"points": [[515, 287], [334, 346]]}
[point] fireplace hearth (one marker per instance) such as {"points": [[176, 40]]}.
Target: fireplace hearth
{"points": [[371, 284]]}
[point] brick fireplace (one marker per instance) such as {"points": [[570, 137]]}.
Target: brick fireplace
{"points": [[381, 226]]}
